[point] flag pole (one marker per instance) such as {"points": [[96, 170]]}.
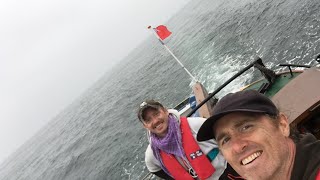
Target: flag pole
{"points": [[155, 33], [198, 89]]}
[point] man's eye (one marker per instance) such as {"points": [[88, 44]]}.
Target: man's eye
{"points": [[225, 140], [246, 127], [147, 120]]}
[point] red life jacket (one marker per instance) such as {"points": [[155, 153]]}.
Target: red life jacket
{"points": [[198, 160], [318, 175]]}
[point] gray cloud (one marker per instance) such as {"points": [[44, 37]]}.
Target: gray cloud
{"points": [[52, 51]]}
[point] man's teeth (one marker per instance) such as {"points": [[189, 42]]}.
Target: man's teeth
{"points": [[158, 125], [250, 158]]}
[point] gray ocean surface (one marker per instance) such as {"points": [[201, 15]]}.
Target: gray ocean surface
{"points": [[99, 137]]}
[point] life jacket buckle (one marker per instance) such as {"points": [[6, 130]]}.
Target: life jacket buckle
{"points": [[193, 173]]}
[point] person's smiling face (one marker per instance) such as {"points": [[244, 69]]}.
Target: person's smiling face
{"points": [[156, 121], [253, 145]]}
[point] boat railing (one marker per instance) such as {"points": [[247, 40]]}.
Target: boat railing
{"points": [[267, 73], [294, 65]]}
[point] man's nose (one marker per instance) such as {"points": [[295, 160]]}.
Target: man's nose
{"points": [[238, 144], [154, 119]]}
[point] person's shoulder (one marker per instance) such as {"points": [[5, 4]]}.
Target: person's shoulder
{"points": [[174, 112], [197, 119], [307, 157], [153, 165], [148, 150], [149, 156], [309, 141], [195, 122]]}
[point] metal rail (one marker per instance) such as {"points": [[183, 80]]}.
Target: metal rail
{"points": [[294, 65], [257, 63]]}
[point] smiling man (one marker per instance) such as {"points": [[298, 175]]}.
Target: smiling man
{"points": [[256, 140], [173, 152]]}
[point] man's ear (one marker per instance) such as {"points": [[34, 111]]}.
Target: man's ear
{"points": [[284, 124], [165, 110]]}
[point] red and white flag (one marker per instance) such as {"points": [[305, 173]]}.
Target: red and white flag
{"points": [[162, 32]]}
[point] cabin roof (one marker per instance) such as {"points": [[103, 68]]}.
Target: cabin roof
{"points": [[300, 96]]}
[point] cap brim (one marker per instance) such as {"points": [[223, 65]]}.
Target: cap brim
{"points": [[142, 110], [206, 130]]}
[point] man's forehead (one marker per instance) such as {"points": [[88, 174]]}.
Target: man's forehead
{"points": [[231, 121], [150, 109]]}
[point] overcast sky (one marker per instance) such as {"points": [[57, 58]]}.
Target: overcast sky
{"points": [[51, 51]]}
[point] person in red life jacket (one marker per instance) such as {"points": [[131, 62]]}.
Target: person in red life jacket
{"points": [[257, 141], [173, 152]]}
